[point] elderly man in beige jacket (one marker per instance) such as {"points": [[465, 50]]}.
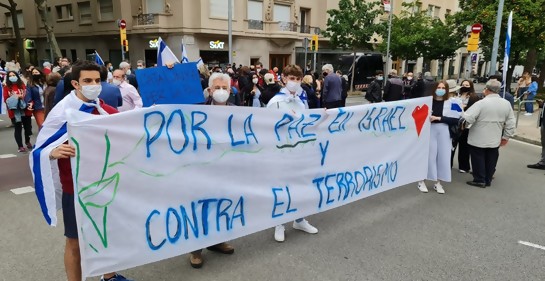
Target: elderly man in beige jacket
{"points": [[492, 124]]}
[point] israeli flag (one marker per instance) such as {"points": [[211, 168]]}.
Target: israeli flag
{"points": [[185, 59], [199, 62], [164, 54], [507, 51], [98, 59], [44, 170]]}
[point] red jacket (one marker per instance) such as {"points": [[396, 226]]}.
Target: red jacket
{"points": [[65, 170], [13, 89]]}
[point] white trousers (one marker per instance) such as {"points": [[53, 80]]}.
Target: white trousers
{"points": [[440, 150]]}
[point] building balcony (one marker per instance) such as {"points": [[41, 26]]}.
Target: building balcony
{"points": [[6, 32], [145, 21], [255, 24]]}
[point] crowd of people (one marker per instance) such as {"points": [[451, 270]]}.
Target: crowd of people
{"points": [[33, 92], [477, 124]]}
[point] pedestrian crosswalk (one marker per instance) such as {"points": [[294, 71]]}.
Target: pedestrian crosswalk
{"points": [[5, 156]]}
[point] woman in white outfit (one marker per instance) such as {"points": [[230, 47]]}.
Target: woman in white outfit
{"points": [[445, 112]]}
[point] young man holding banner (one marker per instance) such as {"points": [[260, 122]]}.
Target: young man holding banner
{"points": [[289, 99], [50, 161]]}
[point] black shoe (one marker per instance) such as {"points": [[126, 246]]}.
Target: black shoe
{"points": [[536, 166], [477, 184]]}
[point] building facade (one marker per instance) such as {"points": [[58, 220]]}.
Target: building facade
{"points": [[268, 31]]}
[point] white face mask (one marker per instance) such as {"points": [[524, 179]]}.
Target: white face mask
{"points": [[128, 72], [91, 92], [293, 86], [255, 80], [220, 95], [116, 82]]}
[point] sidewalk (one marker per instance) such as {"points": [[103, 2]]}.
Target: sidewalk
{"points": [[527, 129]]}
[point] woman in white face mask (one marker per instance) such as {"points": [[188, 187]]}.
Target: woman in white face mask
{"points": [[256, 92]]}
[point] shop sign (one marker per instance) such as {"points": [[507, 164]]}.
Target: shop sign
{"points": [[154, 43], [217, 44]]}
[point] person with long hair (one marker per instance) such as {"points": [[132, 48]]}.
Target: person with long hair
{"points": [[443, 114], [469, 97], [35, 95], [20, 115]]}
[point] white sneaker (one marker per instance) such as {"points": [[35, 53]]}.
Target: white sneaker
{"points": [[305, 226], [527, 114], [439, 188], [279, 233], [462, 171], [422, 186]]}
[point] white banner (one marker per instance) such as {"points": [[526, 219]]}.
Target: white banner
{"points": [[163, 181]]}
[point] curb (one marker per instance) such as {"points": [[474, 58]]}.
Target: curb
{"points": [[527, 140]]}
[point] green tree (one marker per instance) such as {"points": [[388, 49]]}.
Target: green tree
{"points": [[42, 10], [415, 35], [442, 42], [528, 33], [12, 8], [352, 26]]}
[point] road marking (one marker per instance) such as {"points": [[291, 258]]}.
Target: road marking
{"points": [[532, 245], [22, 190], [4, 156], [523, 142]]}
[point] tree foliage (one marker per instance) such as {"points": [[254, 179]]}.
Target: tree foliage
{"points": [[415, 34], [12, 8], [352, 26], [528, 27]]}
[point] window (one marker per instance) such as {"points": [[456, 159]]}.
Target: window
{"points": [[20, 20], [430, 10], [85, 12], [155, 6], [64, 12], [448, 12], [219, 9], [436, 11], [304, 18], [255, 10], [106, 9], [282, 13]]}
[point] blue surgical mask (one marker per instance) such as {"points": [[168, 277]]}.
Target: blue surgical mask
{"points": [[13, 79], [380, 78], [440, 92]]}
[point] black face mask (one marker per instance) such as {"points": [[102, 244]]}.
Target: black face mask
{"points": [[324, 74], [36, 77], [465, 89]]}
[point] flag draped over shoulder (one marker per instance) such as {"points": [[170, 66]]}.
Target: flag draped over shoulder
{"points": [[507, 51], [164, 54], [44, 170]]}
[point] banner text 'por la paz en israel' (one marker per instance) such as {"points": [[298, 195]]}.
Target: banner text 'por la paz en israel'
{"points": [[163, 181]]}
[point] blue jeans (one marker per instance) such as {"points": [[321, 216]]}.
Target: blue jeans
{"points": [[529, 106]]}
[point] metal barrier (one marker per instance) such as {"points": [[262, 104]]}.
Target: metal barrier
{"points": [[520, 103]]}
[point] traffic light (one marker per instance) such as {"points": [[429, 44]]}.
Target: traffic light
{"points": [[473, 42], [314, 43], [125, 45]]}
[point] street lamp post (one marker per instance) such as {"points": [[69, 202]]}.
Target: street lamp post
{"points": [[388, 62], [494, 56], [230, 28]]}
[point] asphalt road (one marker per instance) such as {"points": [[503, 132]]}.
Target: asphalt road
{"points": [[466, 234]]}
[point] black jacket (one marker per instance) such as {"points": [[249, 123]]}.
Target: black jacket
{"points": [[313, 101], [393, 90], [269, 91], [374, 91]]}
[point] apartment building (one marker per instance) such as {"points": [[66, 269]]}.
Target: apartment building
{"points": [[269, 31]]}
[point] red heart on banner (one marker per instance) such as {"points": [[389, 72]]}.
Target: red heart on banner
{"points": [[420, 115]]}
